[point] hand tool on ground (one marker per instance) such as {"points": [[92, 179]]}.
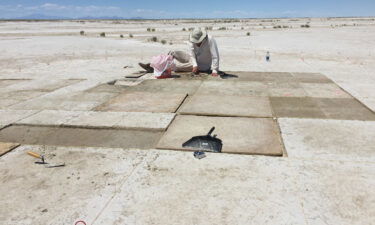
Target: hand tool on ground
{"points": [[205, 142], [41, 157]]}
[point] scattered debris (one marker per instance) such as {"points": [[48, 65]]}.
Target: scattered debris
{"points": [[205, 142]]}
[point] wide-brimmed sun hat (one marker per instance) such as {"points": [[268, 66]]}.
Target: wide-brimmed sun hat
{"points": [[198, 35]]}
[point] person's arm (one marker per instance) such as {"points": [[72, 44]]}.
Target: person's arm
{"points": [[215, 57], [193, 56]]}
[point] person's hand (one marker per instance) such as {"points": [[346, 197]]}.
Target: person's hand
{"points": [[195, 70], [214, 74]]}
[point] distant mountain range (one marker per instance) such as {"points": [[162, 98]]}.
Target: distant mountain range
{"points": [[47, 17]]}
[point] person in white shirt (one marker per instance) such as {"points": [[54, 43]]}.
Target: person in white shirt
{"points": [[203, 57], [204, 52]]}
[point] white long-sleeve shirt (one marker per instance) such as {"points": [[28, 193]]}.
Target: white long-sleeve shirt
{"points": [[206, 57]]}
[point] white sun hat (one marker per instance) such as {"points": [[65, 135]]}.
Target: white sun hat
{"points": [[198, 35]]}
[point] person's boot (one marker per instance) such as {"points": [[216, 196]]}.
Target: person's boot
{"points": [[146, 67]]}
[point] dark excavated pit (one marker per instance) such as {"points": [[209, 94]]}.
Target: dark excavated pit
{"points": [[62, 136]]}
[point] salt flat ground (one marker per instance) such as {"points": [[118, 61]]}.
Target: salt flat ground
{"points": [[327, 175]]}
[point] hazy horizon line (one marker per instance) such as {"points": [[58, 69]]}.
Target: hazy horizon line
{"points": [[210, 18]]}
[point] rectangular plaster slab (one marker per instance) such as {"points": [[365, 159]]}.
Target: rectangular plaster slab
{"points": [[311, 78], [43, 85], [144, 102], [329, 139], [344, 108], [51, 103], [123, 120], [63, 136], [106, 88], [262, 76], [89, 96], [49, 118], [250, 76], [242, 88], [8, 82], [296, 107], [21, 95], [239, 135], [168, 86], [285, 89], [324, 90], [6, 103], [369, 102], [7, 147], [85, 119], [128, 82], [279, 77], [227, 105], [11, 116]]}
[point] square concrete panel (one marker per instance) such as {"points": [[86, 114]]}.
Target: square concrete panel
{"points": [[344, 108], [89, 96], [285, 89], [242, 88], [64, 136], [11, 116], [226, 105], [21, 95], [311, 78], [262, 76], [106, 88], [55, 103], [144, 102], [239, 135], [8, 82], [296, 107], [279, 77], [43, 85], [250, 76], [324, 90], [6, 103], [168, 86], [329, 139], [49, 118], [122, 120]]}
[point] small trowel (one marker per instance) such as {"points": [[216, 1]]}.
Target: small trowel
{"points": [[205, 143], [43, 162]]}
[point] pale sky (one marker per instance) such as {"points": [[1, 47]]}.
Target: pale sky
{"points": [[188, 9]]}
